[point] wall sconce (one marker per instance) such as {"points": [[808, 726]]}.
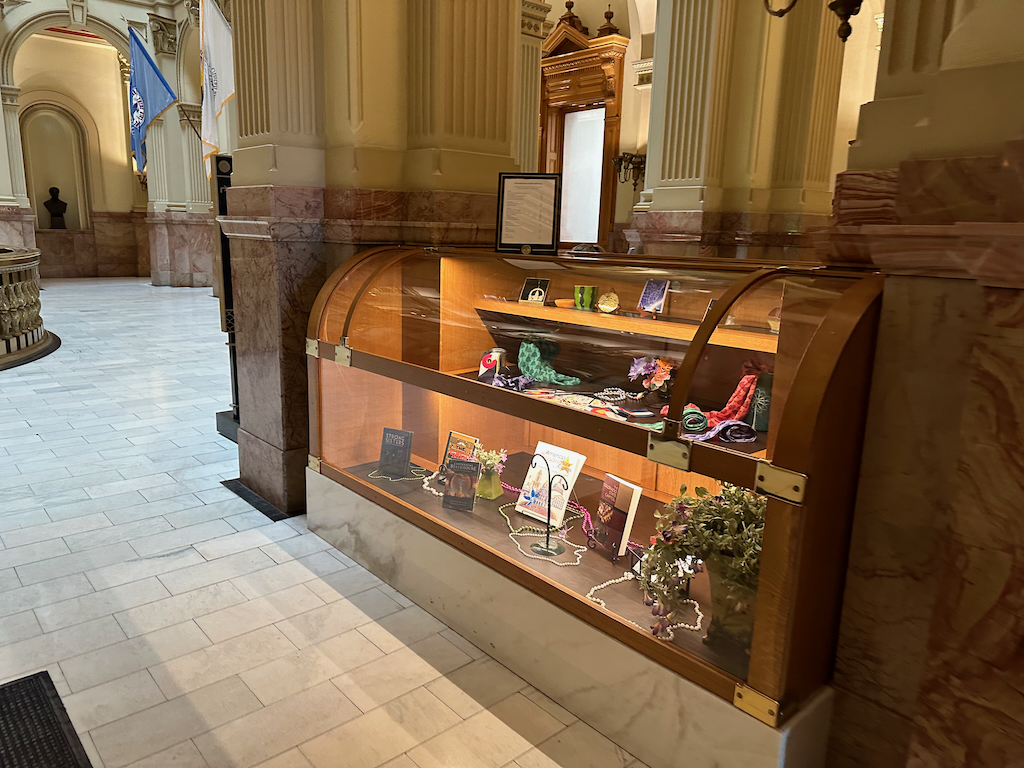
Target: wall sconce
{"points": [[628, 165], [844, 9]]}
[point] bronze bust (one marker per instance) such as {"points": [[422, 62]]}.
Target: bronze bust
{"points": [[57, 208]]}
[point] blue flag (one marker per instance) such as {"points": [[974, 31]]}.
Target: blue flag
{"points": [[149, 95]]}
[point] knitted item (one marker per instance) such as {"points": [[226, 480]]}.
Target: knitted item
{"points": [[533, 365]]}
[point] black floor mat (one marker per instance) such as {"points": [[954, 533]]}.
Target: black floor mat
{"points": [[35, 731]]}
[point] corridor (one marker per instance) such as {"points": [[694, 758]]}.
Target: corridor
{"points": [[181, 626]]}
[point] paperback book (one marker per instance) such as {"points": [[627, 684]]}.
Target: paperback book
{"points": [[615, 512], [460, 490], [395, 453], [533, 499]]}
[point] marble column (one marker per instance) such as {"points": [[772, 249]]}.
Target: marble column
{"points": [[533, 28], [277, 263]]}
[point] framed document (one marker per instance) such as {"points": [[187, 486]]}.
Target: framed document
{"points": [[529, 207]]}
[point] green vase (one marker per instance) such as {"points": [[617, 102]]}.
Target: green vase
{"points": [[489, 486]]}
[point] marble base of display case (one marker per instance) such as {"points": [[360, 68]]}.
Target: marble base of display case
{"points": [[652, 712]]}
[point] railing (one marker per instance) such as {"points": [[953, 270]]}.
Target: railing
{"points": [[21, 327]]}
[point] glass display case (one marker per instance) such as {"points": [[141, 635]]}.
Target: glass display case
{"points": [[631, 376]]}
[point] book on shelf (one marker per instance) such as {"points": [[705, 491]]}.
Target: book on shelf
{"points": [[615, 512], [653, 298], [395, 453], [459, 446], [533, 499], [460, 490]]}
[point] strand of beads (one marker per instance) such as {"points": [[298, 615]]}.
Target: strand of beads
{"points": [[418, 473], [669, 633]]}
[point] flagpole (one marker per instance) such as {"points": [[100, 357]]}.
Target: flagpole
{"points": [[193, 126]]}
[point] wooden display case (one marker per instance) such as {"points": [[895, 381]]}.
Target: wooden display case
{"points": [[395, 339]]}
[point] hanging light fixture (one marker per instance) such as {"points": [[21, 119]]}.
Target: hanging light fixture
{"points": [[844, 9]]}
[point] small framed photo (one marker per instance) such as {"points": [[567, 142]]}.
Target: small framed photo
{"points": [[535, 290], [529, 209], [652, 300]]}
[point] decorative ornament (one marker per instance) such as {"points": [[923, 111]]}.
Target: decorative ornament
{"points": [[608, 302]]}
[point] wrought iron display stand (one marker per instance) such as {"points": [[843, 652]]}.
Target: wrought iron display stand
{"points": [[547, 549]]}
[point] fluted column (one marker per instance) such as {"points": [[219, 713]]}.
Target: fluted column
{"points": [[156, 166], [805, 114], [460, 96], [15, 158], [685, 152], [533, 28], [279, 82], [197, 186]]}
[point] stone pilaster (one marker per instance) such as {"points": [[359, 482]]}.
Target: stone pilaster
{"points": [[460, 106], [279, 86], [156, 166], [15, 158], [198, 198], [690, 88], [277, 262], [533, 28]]}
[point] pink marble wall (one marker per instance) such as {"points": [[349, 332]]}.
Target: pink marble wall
{"points": [[67, 253], [284, 242], [181, 248], [17, 226]]}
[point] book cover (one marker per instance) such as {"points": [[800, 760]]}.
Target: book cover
{"points": [[459, 446], [653, 298], [460, 490], [533, 499], [615, 512], [395, 453], [535, 290]]}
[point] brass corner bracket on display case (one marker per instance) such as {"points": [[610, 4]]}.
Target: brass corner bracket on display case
{"points": [[312, 347], [342, 354], [314, 463], [781, 483], [671, 453], [757, 705]]}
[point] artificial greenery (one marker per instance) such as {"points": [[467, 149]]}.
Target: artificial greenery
{"points": [[723, 531]]}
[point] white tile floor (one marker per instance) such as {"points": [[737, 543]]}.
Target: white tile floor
{"points": [[182, 627]]}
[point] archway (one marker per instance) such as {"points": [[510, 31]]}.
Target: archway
{"points": [[53, 141]]}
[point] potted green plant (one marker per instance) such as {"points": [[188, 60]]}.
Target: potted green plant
{"points": [[491, 465], [721, 532]]}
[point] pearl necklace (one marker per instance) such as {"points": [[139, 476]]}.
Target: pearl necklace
{"points": [[416, 475], [670, 635], [532, 530], [617, 394]]}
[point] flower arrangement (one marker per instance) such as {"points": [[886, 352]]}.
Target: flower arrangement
{"points": [[657, 372], [491, 460], [491, 464], [720, 532]]}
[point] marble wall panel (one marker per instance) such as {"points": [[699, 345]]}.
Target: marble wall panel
{"points": [[970, 708], [17, 226], [178, 251], [947, 190], [275, 284], [67, 253], [904, 500], [141, 243], [297, 202]]}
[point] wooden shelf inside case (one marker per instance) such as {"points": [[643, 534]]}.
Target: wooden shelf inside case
{"points": [[661, 329]]}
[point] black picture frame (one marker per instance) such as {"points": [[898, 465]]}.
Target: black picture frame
{"points": [[508, 207]]}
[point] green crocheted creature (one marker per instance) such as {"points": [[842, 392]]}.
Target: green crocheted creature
{"points": [[536, 364]]}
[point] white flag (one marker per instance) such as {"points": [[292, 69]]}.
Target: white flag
{"points": [[218, 73]]}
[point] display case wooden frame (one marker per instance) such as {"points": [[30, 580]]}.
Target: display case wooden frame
{"points": [[810, 478]]}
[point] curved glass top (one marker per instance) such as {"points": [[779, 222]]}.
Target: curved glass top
{"points": [[601, 334]]}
